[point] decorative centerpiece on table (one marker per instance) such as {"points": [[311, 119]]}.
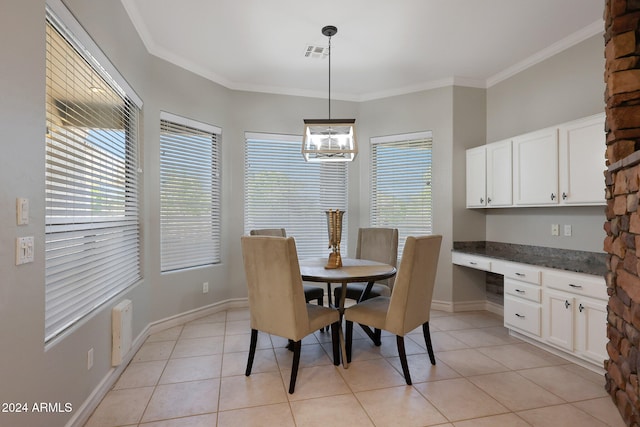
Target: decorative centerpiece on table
{"points": [[334, 227]]}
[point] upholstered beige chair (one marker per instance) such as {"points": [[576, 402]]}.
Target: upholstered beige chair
{"points": [[310, 292], [410, 302], [276, 298], [374, 244]]}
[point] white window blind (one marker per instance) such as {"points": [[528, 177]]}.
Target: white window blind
{"points": [[189, 193], [401, 184], [281, 190], [92, 247]]}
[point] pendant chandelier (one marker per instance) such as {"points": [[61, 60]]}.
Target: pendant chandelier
{"points": [[329, 140]]}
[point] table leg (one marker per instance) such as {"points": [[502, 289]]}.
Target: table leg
{"points": [[343, 297]]}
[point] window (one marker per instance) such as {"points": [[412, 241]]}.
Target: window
{"points": [[189, 193], [92, 243], [282, 190], [401, 184]]}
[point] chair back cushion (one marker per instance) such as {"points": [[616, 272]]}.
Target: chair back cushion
{"points": [[276, 295], [378, 244], [280, 232], [410, 302]]}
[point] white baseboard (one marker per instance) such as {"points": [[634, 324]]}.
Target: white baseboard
{"points": [[456, 307], [85, 410]]}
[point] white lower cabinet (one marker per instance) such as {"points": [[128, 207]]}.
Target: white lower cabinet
{"points": [[522, 297], [556, 308], [574, 314]]}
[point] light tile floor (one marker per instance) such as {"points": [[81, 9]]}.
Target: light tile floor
{"points": [[193, 375]]}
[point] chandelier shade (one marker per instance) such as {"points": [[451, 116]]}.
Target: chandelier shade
{"points": [[329, 140]]}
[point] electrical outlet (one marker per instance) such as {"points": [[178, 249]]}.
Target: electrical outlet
{"points": [[567, 230], [555, 229], [90, 358], [205, 287]]}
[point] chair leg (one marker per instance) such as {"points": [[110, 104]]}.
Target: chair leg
{"points": [[320, 303], [297, 346], [329, 294], [252, 351], [348, 336], [403, 359], [378, 336], [335, 327], [427, 341]]}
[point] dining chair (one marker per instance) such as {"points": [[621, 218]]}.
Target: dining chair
{"points": [[410, 302], [310, 292], [276, 299], [375, 244]]}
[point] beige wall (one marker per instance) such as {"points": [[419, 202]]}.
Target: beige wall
{"points": [[565, 87]]}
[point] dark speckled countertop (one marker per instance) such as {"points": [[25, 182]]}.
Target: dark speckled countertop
{"points": [[563, 259]]}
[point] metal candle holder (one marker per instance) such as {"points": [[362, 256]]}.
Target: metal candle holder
{"points": [[334, 227]]}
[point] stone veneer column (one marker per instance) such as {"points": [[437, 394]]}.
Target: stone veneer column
{"points": [[622, 95]]}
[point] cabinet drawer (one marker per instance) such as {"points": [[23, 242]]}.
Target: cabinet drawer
{"points": [[473, 261], [521, 272], [522, 315], [576, 283], [522, 290]]}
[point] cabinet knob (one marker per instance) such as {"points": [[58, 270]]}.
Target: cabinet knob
{"points": [[553, 196], [481, 200], [580, 308], [564, 196], [566, 304], [488, 199]]}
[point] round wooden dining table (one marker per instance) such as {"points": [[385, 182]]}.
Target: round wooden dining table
{"points": [[352, 271]]}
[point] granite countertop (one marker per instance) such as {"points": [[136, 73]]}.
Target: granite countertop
{"points": [[562, 259]]}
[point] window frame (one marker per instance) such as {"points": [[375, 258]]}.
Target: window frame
{"points": [[183, 155], [400, 172], [305, 218]]}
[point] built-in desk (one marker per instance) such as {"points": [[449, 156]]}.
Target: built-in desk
{"points": [[553, 298]]}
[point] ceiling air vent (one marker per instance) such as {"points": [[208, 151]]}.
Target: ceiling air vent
{"points": [[316, 51]]}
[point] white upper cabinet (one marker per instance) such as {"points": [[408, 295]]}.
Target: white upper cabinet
{"points": [[535, 168], [561, 165], [499, 177], [476, 177], [582, 161], [489, 175]]}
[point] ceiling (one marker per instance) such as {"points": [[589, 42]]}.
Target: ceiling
{"points": [[382, 47]]}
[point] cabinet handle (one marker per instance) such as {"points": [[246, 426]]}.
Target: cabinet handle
{"points": [[520, 291], [520, 274], [488, 199], [473, 263], [566, 304], [481, 200], [553, 196], [564, 196], [520, 315], [580, 308], [575, 286]]}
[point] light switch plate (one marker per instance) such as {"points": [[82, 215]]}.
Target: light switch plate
{"points": [[567, 230], [24, 250], [22, 211], [555, 229]]}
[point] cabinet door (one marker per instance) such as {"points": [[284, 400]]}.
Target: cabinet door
{"points": [[582, 161], [558, 319], [499, 175], [476, 177], [591, 329], [535, 168]]}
